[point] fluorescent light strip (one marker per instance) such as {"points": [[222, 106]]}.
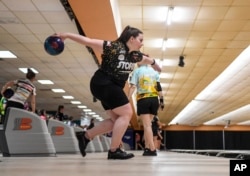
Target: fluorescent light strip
{"points": [[244, 123], [87, 110], [76, 102], [68, 97], [25, 70], [164, 44], [166, 76], [91, 113], [82, 106], [45, 82], [232, 69], [117, 16], [7, 55], [184, 114], [159, 62], [170, 15], [229, 116], [163, 85], [99, 118], [58, 90], [170, 62]]}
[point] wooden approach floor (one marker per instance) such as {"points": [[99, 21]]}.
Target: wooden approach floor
{"points": [[96, 164]]}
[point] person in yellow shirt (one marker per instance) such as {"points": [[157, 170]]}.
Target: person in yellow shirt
{"points": [[147, 82]]}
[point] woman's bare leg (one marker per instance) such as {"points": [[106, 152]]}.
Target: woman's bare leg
{"points": [[148, 133], [103, 127], [118, 124], [124, 114]]}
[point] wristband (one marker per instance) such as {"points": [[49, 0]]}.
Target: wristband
{"points": [[162, 103], [162, 100]]}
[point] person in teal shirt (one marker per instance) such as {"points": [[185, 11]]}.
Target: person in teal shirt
{"points": [[149, 92]]}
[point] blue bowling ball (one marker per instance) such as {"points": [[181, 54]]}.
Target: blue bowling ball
{"points": [[54, 45], [8, 93]]}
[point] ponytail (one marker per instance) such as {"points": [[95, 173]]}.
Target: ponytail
{"points": [[30, 74]]}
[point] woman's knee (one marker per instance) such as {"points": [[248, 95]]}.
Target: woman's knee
{"points": [[125, 111]]}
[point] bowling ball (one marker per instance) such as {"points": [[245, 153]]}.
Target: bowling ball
{"points": [[8, 93], [54, 45]]}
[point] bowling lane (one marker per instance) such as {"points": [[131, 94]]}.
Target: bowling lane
{"points": [[166, 163]]}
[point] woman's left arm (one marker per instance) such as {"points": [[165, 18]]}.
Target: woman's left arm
{"points": [[33, 103], [150, 61]]}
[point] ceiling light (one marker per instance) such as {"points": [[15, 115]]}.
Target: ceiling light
{"points": [[58, 90], [7, 55], [164, 44], [157, 13], [75, 102], [99, 118], [91, 113], [117, 16], [159, 62], [169, 61], [170, 15], [154, 43], [67, 97], [163, 85], [237, 113], [45, 82], [244, 123], [184, 114], [174, 43], [238, 64], [166, 75], [81, 106], [87, 110], [25, 70]]}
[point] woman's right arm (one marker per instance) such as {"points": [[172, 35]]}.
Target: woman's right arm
{"points": [[95, 44]]}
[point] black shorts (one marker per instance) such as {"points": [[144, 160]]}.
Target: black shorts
{"points": [[155, 133], [148, 106], [107, 91]]}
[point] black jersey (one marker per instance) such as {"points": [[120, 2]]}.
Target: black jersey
{"points": [[117, 62]]}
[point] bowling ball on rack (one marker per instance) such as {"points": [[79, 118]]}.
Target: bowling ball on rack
{"points": [[54, 45]]}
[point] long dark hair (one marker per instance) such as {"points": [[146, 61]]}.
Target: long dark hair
{"points": [[127, 33], [42, 112], [60, 107]]}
